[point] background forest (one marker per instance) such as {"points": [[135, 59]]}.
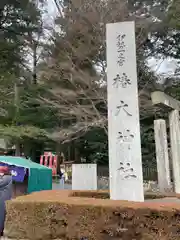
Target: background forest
{"points": [[53, 75]]}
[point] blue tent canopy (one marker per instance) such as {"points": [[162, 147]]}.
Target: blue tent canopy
{"points": [[40, 177]]}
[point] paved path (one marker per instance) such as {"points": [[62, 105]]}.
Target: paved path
{"points": [[167, 199], [57, 186]]}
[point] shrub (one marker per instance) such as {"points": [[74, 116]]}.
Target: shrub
{"points": [[74, 215]]}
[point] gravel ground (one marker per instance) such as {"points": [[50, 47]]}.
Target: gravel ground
{"points": [[164, 200], [103, 184]]}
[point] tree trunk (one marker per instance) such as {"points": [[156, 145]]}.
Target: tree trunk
{"points": [[18, 148], [35, 63], [16, 104]]}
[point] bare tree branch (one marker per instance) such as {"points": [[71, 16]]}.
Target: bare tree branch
{"points": [[76, 68]]}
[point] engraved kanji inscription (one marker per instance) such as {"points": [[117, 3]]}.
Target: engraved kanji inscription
{"points": [[126, 171], [125, 136], [121, 80], [121, 49], [122, 107]]}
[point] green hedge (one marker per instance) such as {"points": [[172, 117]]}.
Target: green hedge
{"points": [[72, 215]]}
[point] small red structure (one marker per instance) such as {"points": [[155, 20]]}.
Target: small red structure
{"points": [[49, 160]]}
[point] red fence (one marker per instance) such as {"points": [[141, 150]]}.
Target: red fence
{"points": [[49, 160]]}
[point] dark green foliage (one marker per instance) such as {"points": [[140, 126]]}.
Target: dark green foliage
{"points": [[17, 19], [70, 101], [93, 146]]}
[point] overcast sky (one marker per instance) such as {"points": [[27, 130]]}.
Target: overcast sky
{"points": [[166, 66], [51, 6]]}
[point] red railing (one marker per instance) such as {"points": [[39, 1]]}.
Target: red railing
{"points": [[49, 160]]}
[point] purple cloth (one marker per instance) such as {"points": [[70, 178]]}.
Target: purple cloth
{"points": [[5, 194], [18, 173]]}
